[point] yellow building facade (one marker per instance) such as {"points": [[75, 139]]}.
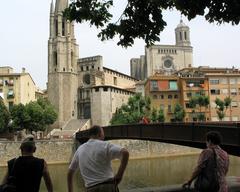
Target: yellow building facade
{"points": [[16, 88]]}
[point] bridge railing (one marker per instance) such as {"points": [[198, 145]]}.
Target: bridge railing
{"points": [[188, 134]]}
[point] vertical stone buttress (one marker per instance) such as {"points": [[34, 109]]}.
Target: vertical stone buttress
{"points": [[62, 65]]}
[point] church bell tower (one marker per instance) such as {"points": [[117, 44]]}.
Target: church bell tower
{"points": [[62, 64]]}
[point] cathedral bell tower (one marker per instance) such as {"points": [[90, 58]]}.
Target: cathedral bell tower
{"points": [[182, 34], [62, 64]]}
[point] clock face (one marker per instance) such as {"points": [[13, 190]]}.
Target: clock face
{"points": [[86, 79], [167, 63]]}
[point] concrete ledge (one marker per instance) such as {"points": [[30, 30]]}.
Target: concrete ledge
{"points": [[233, 186]]}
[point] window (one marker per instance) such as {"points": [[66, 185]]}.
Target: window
{"points": [[226, 119], [87, 68], [223, 81], [224, 91], [169, 108], [189, 95], [235, 118], [56, 27], [175, 96], [162, 107], [81, 68], [161, 96], [10, 94], [63, 28], [195, 83], [97, 89], [185, 35], [87, 94], [214, 81], [233, 81], [173, 85], [215, 91], [115, 80], [10, 105], [215, 119], [234, 104], [180, 34], [233, 91], [187, 105], [55, 59], [105, 89], [169, 96], [153, 86]]}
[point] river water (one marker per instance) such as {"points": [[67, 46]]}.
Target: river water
{"points": [[140, 173]]}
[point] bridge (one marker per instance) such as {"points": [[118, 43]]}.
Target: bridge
{"points": [[186, 134]]}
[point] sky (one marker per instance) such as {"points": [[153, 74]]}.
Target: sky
{"points": [[24, 33]]}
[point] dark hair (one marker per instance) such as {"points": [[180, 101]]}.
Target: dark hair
{"points": [[94, 130], [28, 145], [215, 137]]}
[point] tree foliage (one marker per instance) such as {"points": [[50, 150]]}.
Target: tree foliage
{"points": [[161, 116], [222, 106], [4, 117], [198, 102], [132, 112], [34, 116], [144, 18], [179, 113]]}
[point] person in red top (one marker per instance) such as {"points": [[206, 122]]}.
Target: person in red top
{"points": [[213, 140]]}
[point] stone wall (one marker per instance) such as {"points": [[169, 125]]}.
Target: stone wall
{"points": [[52, 151], [56, 151]]}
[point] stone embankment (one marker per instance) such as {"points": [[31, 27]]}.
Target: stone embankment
{"points": [[233, 186], [60, 151]]}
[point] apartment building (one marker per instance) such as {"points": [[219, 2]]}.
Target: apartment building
{"points": [[16, 88], [166, 91]]}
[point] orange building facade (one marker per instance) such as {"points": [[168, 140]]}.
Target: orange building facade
{"points": [[166, 91]]}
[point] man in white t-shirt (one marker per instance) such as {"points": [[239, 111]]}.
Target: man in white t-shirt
{"points": [[93, 158]]}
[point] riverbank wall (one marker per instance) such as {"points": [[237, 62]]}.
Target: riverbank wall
{"points": [[61, 151]]}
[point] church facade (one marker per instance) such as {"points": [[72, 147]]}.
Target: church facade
{"points": [[80, 88], [165, 59]]}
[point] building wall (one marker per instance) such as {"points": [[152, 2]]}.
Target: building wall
{"points": [[225, 86], [117, 79], [188, 91], [104, 102], [163, 97], [181, 57], [16, 88]]}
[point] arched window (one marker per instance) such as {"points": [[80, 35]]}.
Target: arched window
{"points": [[180, 35], [63, 28], [185, 35]]}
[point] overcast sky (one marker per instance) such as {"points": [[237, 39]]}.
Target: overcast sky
{"points": [[24, 33]]}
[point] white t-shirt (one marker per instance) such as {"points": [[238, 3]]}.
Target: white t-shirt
{"points": [[94, 160]]}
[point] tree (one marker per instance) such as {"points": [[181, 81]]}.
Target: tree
{"points": [[161, 117], [132, 112], [199, 101], [20, 117], [154, 115], [222, 106], [4, 117], [179, 113], [144, 18], [34, 116]]}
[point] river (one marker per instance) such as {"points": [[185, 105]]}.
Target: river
{"points": [[141, 173]]}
